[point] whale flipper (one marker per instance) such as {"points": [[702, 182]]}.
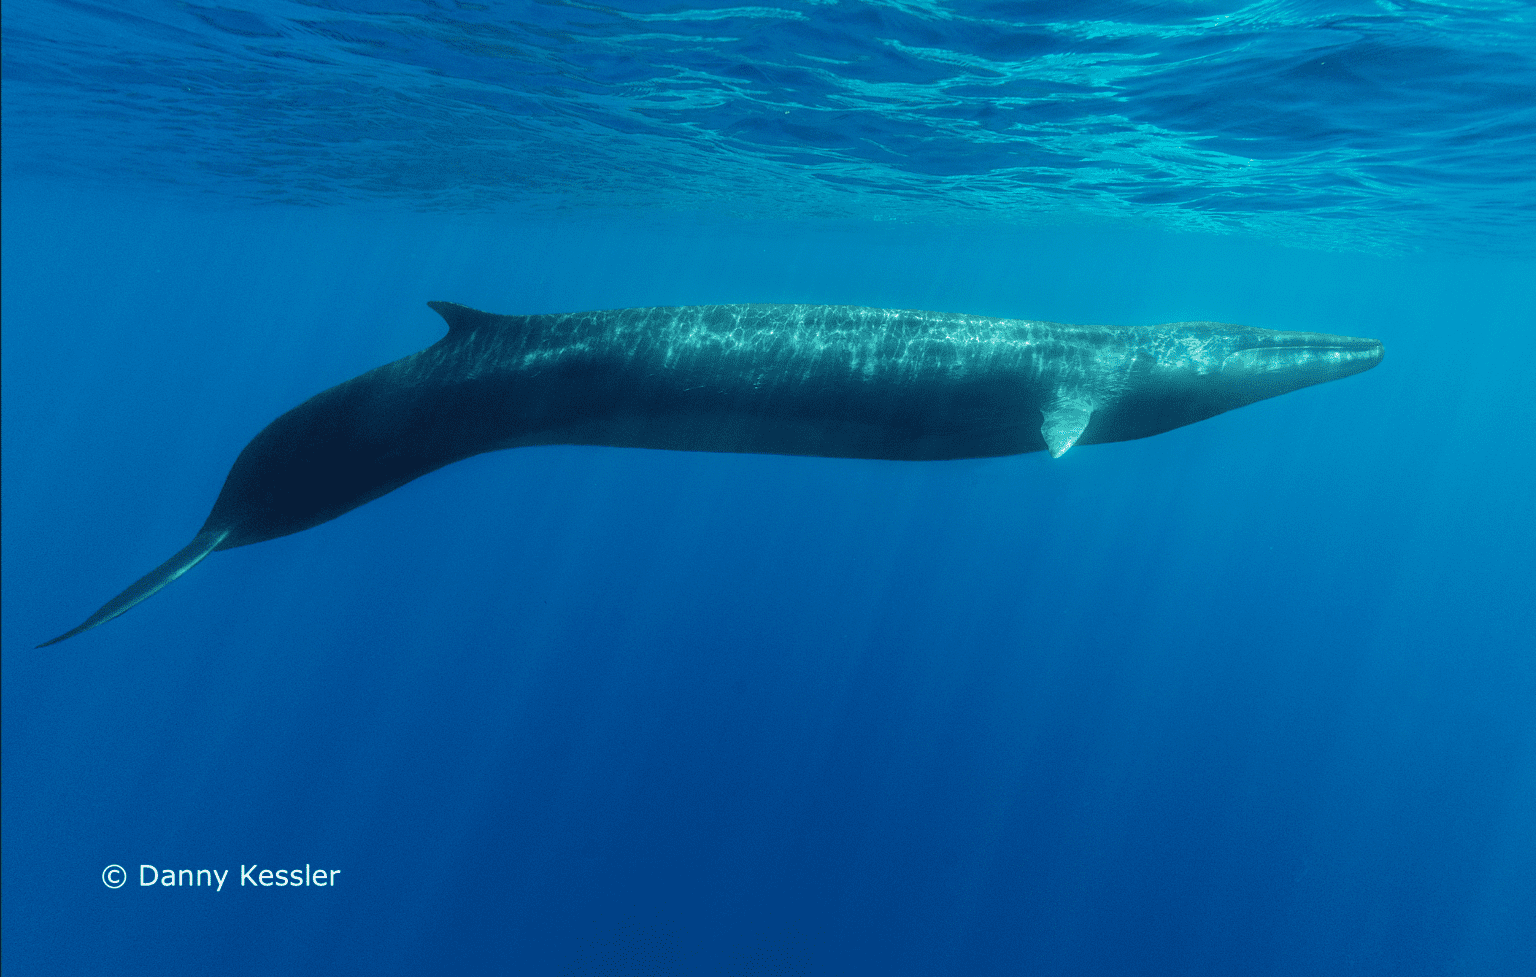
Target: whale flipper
{"points": [[1064, 424], [204, 543]]}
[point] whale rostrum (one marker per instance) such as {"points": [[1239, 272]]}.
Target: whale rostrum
{"points": [[834, 381]]}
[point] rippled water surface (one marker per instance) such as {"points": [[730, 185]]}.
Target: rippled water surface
{"points": [[1375, 125]]}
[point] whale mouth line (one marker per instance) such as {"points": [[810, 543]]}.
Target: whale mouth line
{"points": [[1317, 341]]}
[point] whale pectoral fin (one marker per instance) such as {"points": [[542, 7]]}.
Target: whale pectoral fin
{"points": [[1064, 424], [190, 556]]}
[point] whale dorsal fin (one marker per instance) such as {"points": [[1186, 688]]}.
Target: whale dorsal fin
{"points": [[1065, 422], [462, 320]]}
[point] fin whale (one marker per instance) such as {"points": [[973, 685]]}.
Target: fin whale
{"points": [[834, 381]]}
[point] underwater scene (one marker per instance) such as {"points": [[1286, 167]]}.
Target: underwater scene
{"points": [[989, 488]]}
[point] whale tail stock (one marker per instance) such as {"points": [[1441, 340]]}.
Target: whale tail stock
{"points": [[190, 556]]}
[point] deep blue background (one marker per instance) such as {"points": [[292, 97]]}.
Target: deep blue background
{"points": [[1254, 696]]}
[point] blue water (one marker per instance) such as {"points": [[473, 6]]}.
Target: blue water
{"points": [[1256, 696]]}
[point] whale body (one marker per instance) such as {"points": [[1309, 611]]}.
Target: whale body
{"points": [[834, 381]]}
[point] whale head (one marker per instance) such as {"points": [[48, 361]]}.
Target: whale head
{"points": [[1185, 372], [1265, 363]]}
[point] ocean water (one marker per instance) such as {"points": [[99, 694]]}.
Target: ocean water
{"points": [[1256, 696]]}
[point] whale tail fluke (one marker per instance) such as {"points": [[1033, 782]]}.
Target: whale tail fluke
{"points": [[204, 543]]}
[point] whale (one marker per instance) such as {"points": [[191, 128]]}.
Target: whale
{"points": [[819, 380]]}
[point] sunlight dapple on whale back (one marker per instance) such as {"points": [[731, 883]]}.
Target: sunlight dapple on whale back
{"points": [[828, 380]]}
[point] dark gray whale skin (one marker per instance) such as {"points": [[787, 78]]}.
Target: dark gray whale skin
{"points": [[834, 381]]}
